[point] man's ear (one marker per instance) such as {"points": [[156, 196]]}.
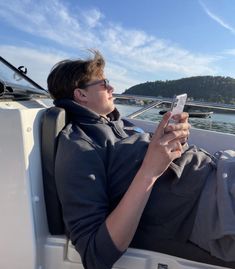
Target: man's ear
{"points": [[80, 95]]}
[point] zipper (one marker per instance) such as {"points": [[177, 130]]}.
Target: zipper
{"points": [[118, 131]]}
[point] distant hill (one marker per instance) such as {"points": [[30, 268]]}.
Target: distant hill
{"points": [[200, 88]]}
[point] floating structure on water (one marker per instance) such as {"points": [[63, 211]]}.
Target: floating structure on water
{"points": [[194, 114]]}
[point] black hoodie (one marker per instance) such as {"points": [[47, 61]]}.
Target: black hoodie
{"points": [[97, 158]]}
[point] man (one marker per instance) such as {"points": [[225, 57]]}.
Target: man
{"points": [[119, 189]]}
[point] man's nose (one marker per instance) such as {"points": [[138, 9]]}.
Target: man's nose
{"points": [[110, 88]]}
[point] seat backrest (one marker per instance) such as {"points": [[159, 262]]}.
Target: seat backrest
{"points": [[53, 121]]}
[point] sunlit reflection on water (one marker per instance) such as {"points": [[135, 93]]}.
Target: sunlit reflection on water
{"points": [[218, 122]]}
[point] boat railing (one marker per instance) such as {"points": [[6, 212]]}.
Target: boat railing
{"points": [[144, 109], [156, 101]]}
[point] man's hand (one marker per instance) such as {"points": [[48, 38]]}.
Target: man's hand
{"points": [[181, 124], [165, 146]]}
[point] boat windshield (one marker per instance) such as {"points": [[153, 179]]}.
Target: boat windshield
{"points": [[15, 80]]}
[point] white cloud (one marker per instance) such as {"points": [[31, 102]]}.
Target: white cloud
{"points": [[216, 18], [151, 55], [38, 62], [120, 78], [92, 17], [48, 19], [230, 52], [131, 55]]}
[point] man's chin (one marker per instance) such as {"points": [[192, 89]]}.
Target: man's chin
{"points": [[113, 107]]}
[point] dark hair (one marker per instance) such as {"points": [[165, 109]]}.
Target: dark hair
{"points": [[68, 75]]}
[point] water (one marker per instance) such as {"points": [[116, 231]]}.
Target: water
{"points": [[218, 122]]}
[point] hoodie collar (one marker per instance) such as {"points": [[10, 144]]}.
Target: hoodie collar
{"points": [[82, 114]]}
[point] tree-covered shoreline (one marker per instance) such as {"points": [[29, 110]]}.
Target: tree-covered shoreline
{"points": [[200, 88]]}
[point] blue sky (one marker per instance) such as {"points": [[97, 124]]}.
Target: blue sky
{"points": [[140, 40]]}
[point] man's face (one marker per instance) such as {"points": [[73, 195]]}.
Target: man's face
{"points": [[99, 96]]}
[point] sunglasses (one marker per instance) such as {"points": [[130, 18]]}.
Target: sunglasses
{"points": [[105, 81]]}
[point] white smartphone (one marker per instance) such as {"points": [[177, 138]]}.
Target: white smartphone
{"points": [[178, 104]]}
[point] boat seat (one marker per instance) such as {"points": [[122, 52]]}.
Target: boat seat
{"points": [[53, 121]]}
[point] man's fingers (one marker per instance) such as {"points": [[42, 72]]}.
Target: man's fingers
{"points": [[173, 148], [176, 154], [177, 126], [162, 125], [181, 118], [171, 136]]}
